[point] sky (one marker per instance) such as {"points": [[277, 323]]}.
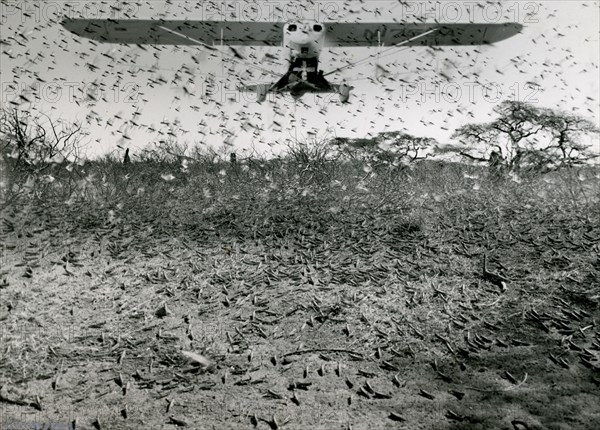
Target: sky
{"points": [[135, 96]]}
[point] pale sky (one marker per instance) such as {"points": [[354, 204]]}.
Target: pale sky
{"points": [[192, 94]]}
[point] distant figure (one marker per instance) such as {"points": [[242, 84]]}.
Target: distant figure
{"points": [[232, 159], [495, 163], [126, 159]]}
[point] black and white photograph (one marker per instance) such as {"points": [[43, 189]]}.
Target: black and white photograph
{"points": [[305, 214]]}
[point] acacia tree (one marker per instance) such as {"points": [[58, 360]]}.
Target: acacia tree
{"points": [[525, 135], [505, 137], [33, 141], [567, 146], [388, 147], [403, 146]]}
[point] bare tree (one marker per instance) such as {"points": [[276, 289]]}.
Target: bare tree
{"points": [[166, 150], [315, 151], [34, 140]]}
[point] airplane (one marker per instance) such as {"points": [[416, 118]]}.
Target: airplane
{"points": [[302, 39]]}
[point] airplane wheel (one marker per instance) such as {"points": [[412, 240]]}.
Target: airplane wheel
{"points": [[261, 93], [344, 91]]}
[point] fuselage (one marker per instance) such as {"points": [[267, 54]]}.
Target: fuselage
{"points": [[303, 40]]}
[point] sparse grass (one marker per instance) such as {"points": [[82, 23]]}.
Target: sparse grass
{"points": [[267, 257]]}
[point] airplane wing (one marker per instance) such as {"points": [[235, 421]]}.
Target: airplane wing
{"points": [[171, 32], [391, 33], [246, 33]]}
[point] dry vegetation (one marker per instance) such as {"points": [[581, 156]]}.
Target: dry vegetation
{"points": [[300, 294]]}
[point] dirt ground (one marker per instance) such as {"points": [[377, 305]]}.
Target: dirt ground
{"points": [[337, 320]]}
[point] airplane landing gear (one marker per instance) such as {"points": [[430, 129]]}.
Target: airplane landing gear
{"points": [[344, 91], [261, 92]]}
